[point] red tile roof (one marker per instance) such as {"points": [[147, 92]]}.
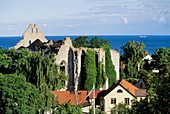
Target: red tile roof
{"points": [[96, 93], [76, 98]]}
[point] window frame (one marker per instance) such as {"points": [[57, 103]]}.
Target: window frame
{"points": [[127, 101], [113, 100]]}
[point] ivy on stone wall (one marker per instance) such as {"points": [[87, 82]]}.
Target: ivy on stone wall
{"points": [[96, 42], [90, 69], [110, 69], [101, 76]]}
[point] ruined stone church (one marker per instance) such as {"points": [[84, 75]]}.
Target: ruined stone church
{"points": [[69, 58]]}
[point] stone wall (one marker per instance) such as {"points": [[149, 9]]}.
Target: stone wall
{"points": [[30, 35], [69, 59], [115, 56]]}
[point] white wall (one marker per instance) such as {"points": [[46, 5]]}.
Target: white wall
{"points": [[120, 98]]}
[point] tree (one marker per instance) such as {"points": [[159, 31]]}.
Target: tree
{"points": [[67, 108], [81, 41], [97, 111], [96, 42], [120, 109], [41, 71], [19, 96], [162, 57], [133, 53], [90, 69]]}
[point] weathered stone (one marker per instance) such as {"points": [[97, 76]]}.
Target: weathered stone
{"points": [[30, 35], [68, 57]]}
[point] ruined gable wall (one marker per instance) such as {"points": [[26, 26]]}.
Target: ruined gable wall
{"points": [[30, 35]]}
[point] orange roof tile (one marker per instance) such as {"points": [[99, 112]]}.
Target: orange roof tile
{"points": [[133, 89], [76, 98]]}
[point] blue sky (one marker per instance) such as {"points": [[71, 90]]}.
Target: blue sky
{"points": [[86, 17]]}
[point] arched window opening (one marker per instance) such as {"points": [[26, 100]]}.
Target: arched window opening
{"points": [[119, 91], [31, 30]]}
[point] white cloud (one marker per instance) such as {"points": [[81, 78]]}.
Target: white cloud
{"points": [[45, 25], [103, 20], [125, 20], [11, 28], [160, 19], [70, 26]]}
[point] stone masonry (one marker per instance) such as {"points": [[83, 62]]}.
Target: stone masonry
{"points": [[69, 58], [30, 35]]}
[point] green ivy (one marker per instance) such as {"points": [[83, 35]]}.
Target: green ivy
{"points": [[90, 69], [110, 69], [101, 76]]}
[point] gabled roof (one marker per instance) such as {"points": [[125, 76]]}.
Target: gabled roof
{"points": [[131, 89], [76, 98]]}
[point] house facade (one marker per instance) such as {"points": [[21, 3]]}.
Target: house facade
{"points": [[122, 92]]}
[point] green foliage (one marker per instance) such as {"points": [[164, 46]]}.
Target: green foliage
{"points": [[38, 69], [162, 57], [97, 111], [120, 109], [110, 69], [101, 76], [90, 69], [157, 95], [132, 80], [67, 108], [81, 41], [95, 42], [42, 71], [18, 96], [133, 53]]}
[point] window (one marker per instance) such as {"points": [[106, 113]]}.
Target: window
{"points": [[29, 42], [119, 91], [140, 99], [113, 100], [127, 101]]}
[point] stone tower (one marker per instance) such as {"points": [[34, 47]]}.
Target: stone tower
{"points": [[30, 35]]}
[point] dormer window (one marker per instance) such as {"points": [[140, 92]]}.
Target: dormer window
{"points": [[119, 91]]}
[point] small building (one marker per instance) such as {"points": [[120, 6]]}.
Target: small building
{"points": [[122, 92]]}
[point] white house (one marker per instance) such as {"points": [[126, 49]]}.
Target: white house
{"points": [[123, 92]]}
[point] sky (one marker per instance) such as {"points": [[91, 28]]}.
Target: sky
{"points": [[86, 17]]}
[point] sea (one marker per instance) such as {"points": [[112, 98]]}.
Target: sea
{"points": [[152, 42]]}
